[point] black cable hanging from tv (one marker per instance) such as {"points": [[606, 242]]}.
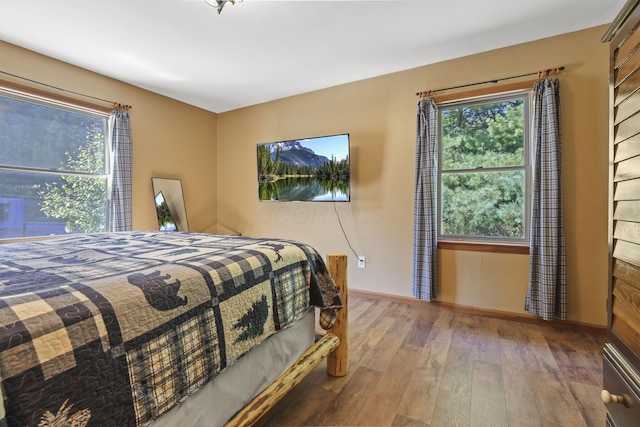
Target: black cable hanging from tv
{"points": [[344, 232]]}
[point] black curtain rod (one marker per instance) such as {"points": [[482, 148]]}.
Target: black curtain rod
{"points": [[538, 73], [115, 104]]}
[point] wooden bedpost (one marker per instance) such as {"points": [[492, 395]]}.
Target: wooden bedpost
{"points": [[337, 361], [333, 346]]}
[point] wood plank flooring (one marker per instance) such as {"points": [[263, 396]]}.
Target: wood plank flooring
{"points": [[415, 365]]}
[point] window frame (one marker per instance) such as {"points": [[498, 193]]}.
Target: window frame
{"points": [[469, 242], [60, 102]]}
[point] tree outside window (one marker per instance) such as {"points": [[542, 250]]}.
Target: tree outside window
{"points": [[484, 172], [53, 173]]}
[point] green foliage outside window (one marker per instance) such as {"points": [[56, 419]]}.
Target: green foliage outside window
{"points": [[483, 175], [52, 168], [80, 200]]}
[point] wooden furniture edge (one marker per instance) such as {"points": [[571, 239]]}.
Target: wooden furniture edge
{"points": [[291, 377], [338, 362], [332, 346], [497, 314]]}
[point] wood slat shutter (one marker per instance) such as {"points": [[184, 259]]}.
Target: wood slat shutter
{"points": [[624, 296]]}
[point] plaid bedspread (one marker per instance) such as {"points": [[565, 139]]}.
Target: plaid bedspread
{"points": [[115, 329]]}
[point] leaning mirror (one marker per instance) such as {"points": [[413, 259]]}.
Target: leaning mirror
{"points": [[170, 190]]}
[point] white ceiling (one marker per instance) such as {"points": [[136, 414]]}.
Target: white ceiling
{"points": [[259, 50]]}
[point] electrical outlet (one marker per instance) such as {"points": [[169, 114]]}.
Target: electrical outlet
{"points": [[362, 262]]}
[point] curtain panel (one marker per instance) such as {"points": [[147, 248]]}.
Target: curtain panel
{"points": [[425, 226], [546, 292], [120, 205]]}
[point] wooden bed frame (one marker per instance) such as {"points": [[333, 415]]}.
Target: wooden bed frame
{"points": [[332, 346]]}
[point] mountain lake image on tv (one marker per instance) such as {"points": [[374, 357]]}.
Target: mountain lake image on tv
{"points": [[305, 170]]}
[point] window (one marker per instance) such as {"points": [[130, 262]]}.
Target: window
{"points": [[484, 170], [53, 168]]}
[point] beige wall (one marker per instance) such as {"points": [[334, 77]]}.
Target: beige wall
{"points": [[379, 114], [170, 139], [215, 157]]}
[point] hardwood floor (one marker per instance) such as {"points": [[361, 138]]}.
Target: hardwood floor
{"points": [[411, 365]]}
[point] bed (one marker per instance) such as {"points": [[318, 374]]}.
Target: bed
{"points": [[157, 328]]}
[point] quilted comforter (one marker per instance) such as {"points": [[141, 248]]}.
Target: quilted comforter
{"points": [[114, 329]]}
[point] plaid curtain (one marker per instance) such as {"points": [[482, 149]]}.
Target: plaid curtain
{"points": [[425, 238], [120, 211], [546, 294]]}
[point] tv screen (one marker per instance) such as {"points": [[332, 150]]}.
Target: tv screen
{"points": [[165, 219], [305, 170]]}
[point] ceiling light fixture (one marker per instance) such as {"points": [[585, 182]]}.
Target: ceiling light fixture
{"points": [[220, 3]]}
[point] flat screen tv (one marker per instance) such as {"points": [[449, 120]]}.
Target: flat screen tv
{"points": [[165, 219], [305, 170]]}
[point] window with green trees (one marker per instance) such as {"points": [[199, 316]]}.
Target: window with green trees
{"points": [[53, 169], [484, 169]]}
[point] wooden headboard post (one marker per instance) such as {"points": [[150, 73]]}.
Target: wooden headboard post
{"points": [[337, 361]]}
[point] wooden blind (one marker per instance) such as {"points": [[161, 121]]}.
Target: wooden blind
{"points": [[625, 304]]}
